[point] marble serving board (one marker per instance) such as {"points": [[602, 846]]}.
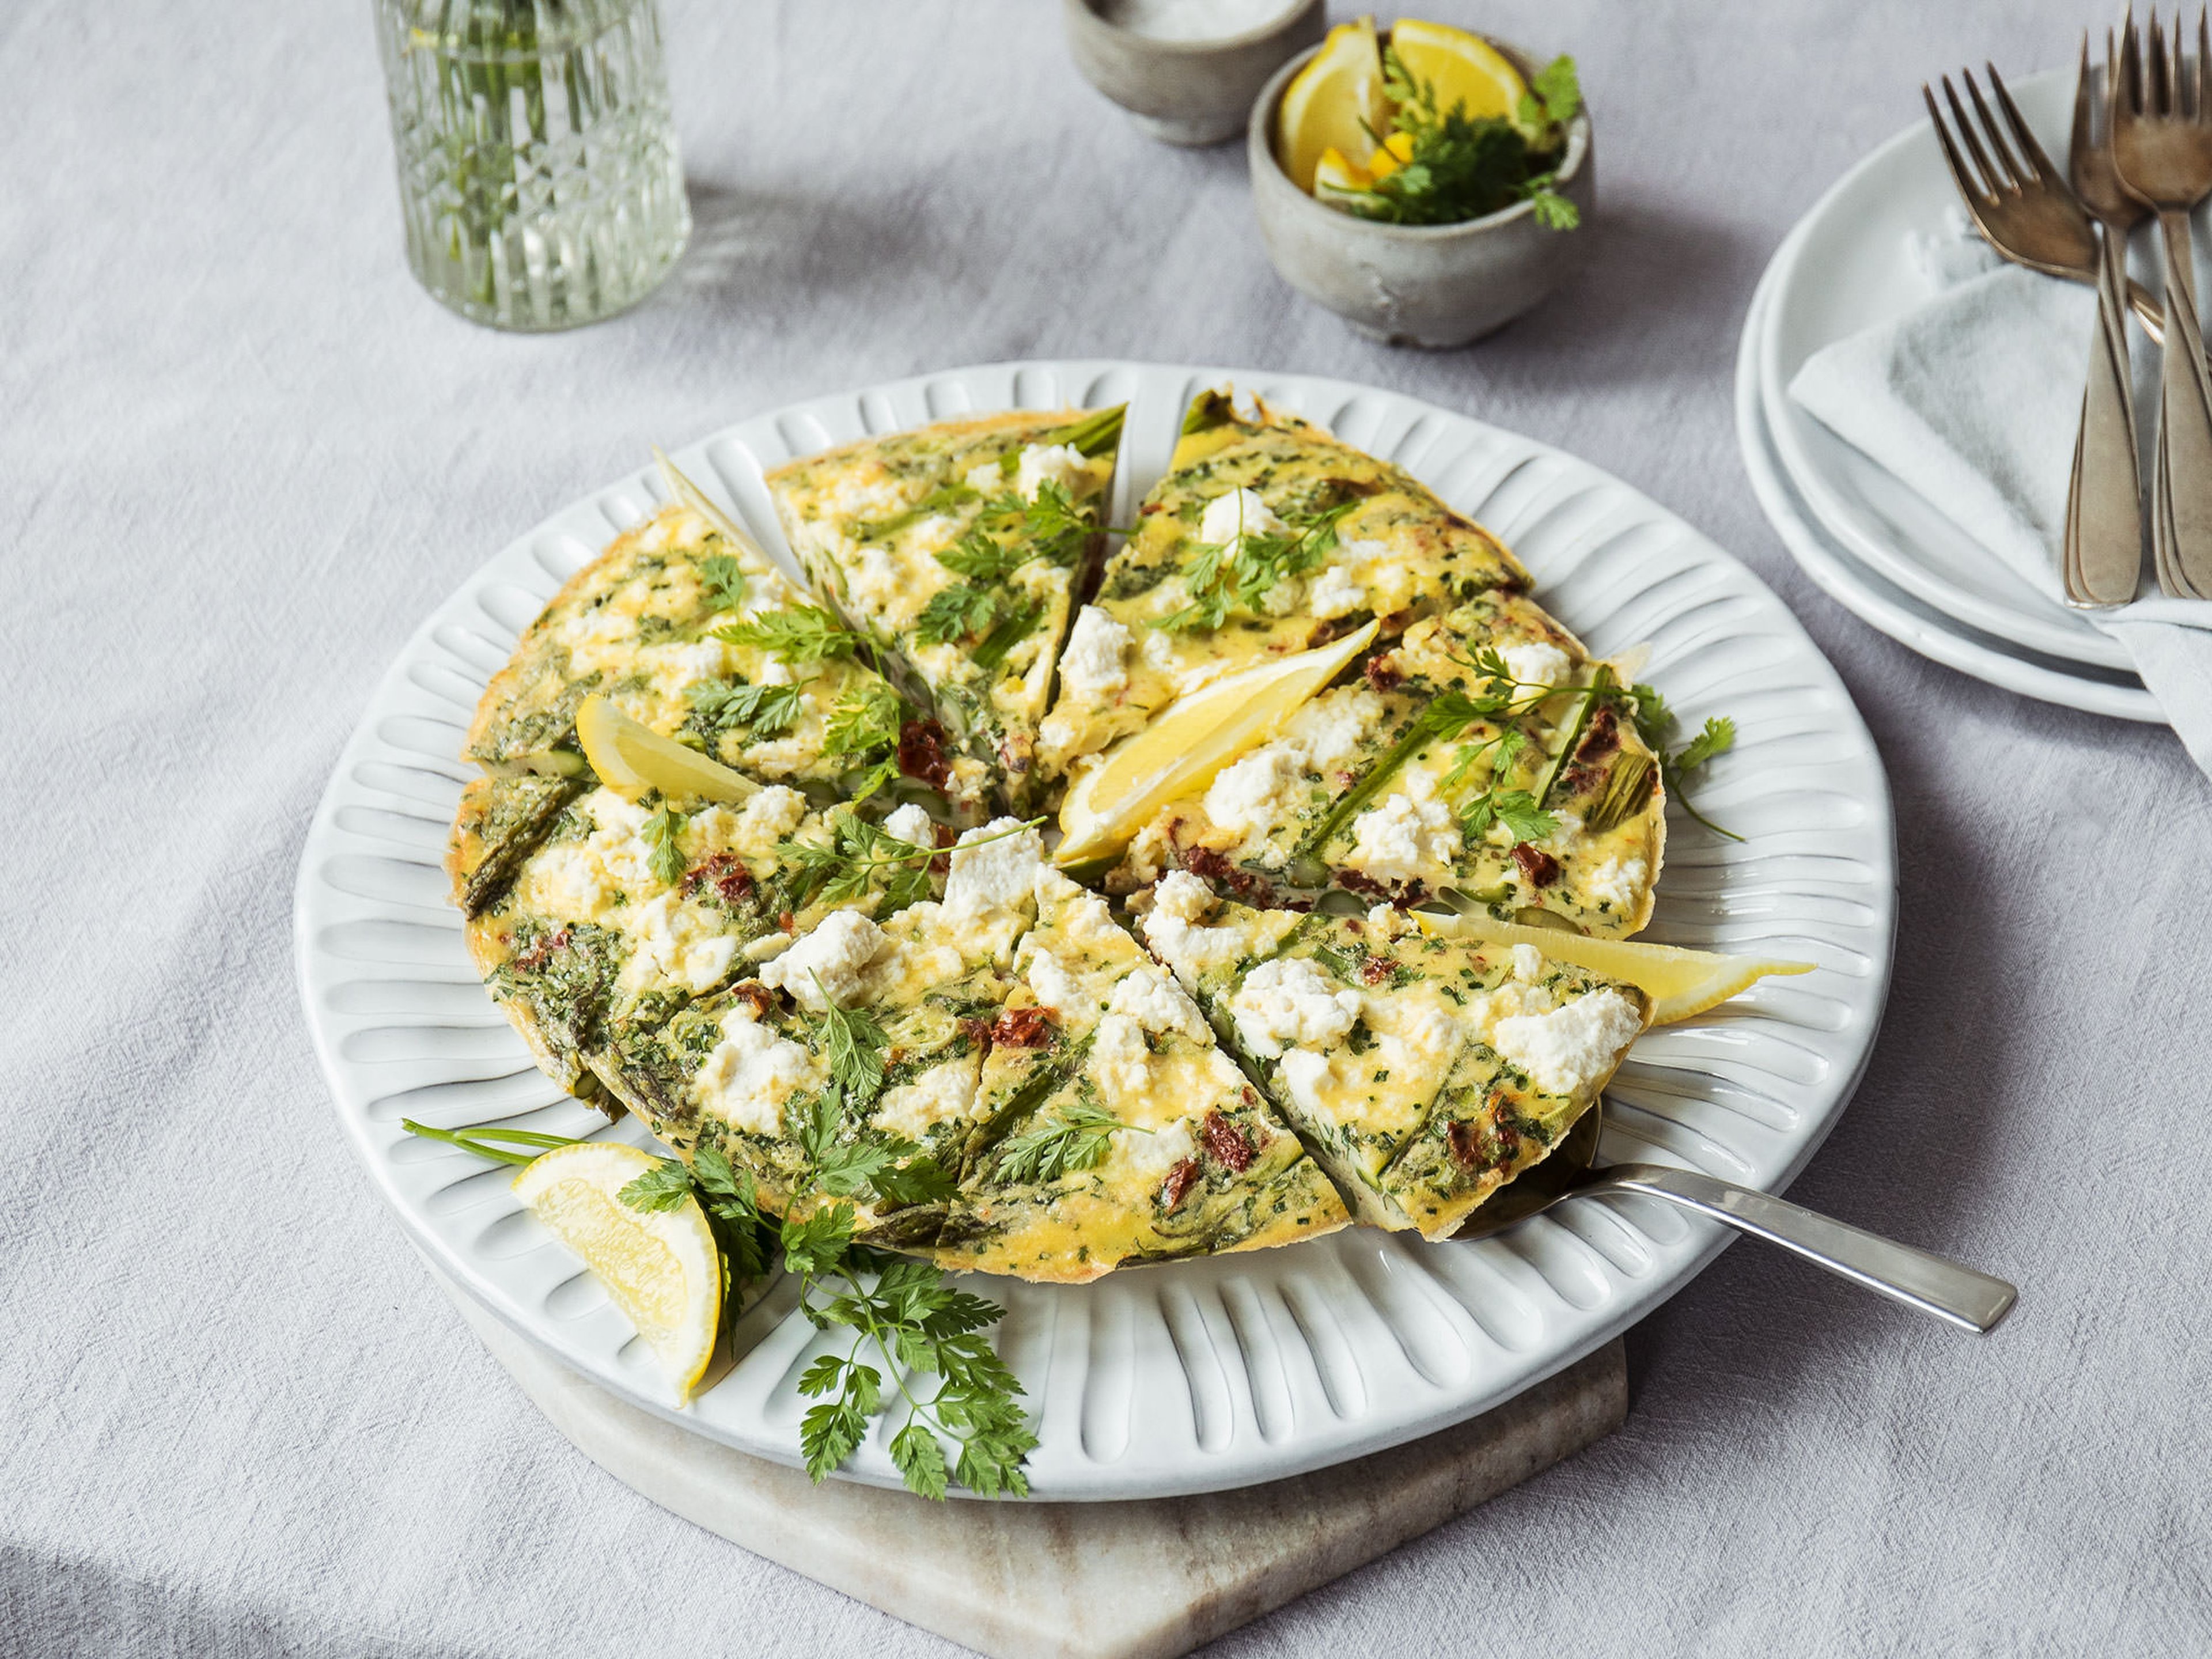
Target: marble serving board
{"points": [[1014, 1580]]}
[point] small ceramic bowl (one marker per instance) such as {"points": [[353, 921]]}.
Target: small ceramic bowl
{"points": [[1424, 285], [1186, 92]]}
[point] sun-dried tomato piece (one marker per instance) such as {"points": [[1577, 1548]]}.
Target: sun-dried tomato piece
{"points": [[921, 753], [1022, 1028], [1180, 1181], [724, 872], [1600, 738], [1205, 861], [1383, 673], [1539, 866], [1225, 1143], [756, 996], [1375, 969], [1466, 1145], [530, 960]]}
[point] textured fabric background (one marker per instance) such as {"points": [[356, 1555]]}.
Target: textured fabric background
{"points": [[241, 455]]}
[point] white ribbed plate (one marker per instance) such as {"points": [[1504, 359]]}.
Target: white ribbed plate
{"points": [[1194, 1376]]}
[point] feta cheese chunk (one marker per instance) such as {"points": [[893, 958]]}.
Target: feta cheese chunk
{"points": [[1335, 592], [1054, 986], [997, 875], [770, 816], [1229, 519], [1256, 792], [1618, 883], [1043, 464], [912, 825], [1095, 664], [1285, 1001], [750, 1073], [1570, 1047], [1402, 837], [672, 940], [1171, 926], [940, 1095], [1147, 997], [1538, 663], [827, 965]]}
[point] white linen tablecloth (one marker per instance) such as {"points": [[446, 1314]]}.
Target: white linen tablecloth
{"points": [[241, 455]]}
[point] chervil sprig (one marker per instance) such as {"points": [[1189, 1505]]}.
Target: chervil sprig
{"points": [[865, 726], [798, 634], [860, 856], [665, 853], [724, 578], [766, 711], [1076, 1137], [1225, 576]]}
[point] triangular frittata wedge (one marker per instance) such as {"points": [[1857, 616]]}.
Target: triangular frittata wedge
{"points": [[623, 912], [1109, 1128], [1422, 1073], [960, 548], [1486, 757], [880, 1026], [1267, 537], [700, 638]]}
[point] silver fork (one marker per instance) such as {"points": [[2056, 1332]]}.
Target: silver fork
{"points": [[2162, 145], [2104, 547]]}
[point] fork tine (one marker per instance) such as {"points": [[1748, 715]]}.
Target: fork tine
{"points": [[2203, 66], [1971, 188], [2160, 87], [2000, 182], [2038, 164], [2085, 97], [2127, 67], [2019, 172]]}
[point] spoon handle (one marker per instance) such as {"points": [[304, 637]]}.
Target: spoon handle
{"points": [[1973, 1300]]}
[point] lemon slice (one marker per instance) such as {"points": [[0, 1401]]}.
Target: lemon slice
{"points": [[704, 504], [1465, 68], [1334, 172], [1178, 754], [1328, 100], [1681, 983], [632, 760], [660, 1266]]}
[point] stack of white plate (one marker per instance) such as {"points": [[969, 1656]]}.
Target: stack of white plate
{"points": [[1875, 546]]}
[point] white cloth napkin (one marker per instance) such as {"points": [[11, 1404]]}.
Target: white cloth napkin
{"points": [[1972, 400]]}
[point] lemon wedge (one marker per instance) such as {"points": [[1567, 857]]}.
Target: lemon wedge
{"points": [[1465, 68], [633, 759], [1178, 753], [1393, 153], [1681, 983], [1334, 172], [1328, 100], [660, 1266], [704, 504]]}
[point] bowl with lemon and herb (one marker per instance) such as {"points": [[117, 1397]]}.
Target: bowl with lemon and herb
{"points": [[1427, 184]]}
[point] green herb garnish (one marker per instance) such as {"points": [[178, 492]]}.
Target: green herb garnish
{"points": [[800, 634], [865, 726], [724, 578], [665, 856], [1233, 575], [767, 710], [1074, 1138]]}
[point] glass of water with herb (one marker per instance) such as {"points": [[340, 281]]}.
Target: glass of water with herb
{"points": [[539, 180]]}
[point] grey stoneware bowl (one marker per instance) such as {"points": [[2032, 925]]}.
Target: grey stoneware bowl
{"points": [[1424, 285], [1186, 92]]}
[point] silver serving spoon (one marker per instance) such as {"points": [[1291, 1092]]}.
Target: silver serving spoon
{"points": [[1972, 1301]]}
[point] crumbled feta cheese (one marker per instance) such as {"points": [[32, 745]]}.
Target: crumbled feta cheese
{"points": [[1229, 519], [985, 478], [1153, 1001], [940, 1095], [701, 660], [1093, 666], [1335, 593], [1388, 923], [1285, 1001], [1159, 648], [1054, 987], [828, 964], [1618, 883], [997, 875], [1428, 1028], [599, 641], [858, 496], [1568, 1048], [566, 882], [770, 816], [1538, 663], [871, 578], [1404, 837], [1566, 829], [1041, 463], [617, 841], [671, 940], [1119, 1059], [1528, 964], [1183, 896], [912, 825], [1329, 729], [1154, 1154], [750, 1073], [774, 671], [1303, 1073], [1255, 792]]}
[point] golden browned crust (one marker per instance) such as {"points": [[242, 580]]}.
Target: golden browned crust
{"points": [[970, 426]]}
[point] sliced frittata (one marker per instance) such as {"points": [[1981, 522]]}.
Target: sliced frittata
{"points": [[1486, 756], [1267, 537], [624, 912], [700, 638], [1423, 1073], [1110, 1129], [960, 548]]}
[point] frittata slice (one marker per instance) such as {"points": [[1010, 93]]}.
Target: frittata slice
{"points": [[962, 548], [625, 912], [1422, 1073], [1109, 1128], [701, 638], [877, 1027], [1267, 537], [1486, 757]]}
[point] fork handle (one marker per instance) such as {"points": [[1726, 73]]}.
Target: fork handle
{"points": [[1973, 1300], [2103, 554], [2182, 519]]}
